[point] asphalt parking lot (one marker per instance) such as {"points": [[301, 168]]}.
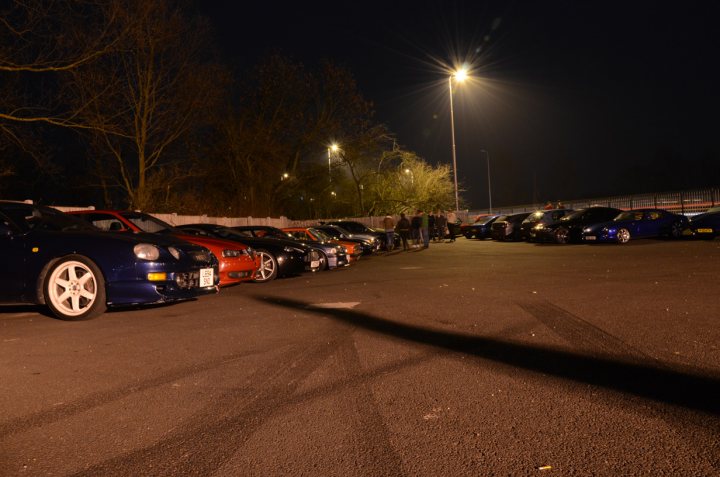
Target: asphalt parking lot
{"points": [[472, 358]]}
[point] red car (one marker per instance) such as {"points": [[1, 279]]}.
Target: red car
{"points": [[237, 262]]}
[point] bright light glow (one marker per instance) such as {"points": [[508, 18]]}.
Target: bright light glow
{"points": [[461, 75], [407, 171], [334, 147], [286, 175]]}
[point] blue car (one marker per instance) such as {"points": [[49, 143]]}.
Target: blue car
{"points": [[634, 224], [53, 259], [707, 224]]}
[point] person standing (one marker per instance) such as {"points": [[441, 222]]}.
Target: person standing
{"points": [[415, 226], [403, 228], [440, 225], [451, 223], [389, 225], [425, 229]]}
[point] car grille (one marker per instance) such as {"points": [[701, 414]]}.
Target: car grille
{"points": [[199, 256]]}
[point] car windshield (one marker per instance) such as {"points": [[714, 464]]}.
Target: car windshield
{"points": [[354, 227], [33, 217], [270, 232], [150, 224], [628, 215], [535, 217], [575, 215], [322, 236]]}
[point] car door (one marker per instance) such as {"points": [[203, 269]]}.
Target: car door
{"points": [[13, 277]]}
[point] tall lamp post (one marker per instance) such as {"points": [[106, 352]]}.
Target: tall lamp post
{"points": [[332, 149], [460, 76], [487, 156]]}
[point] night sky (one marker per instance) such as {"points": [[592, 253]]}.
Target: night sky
{"points": [[570, 99]]}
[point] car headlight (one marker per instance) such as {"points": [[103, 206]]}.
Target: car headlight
{"points": [[334, 250], [587, 230], [228, 253], [174, 252], [539, 226], [146, 251]]}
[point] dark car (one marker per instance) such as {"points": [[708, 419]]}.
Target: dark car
{"points": [[569, 228], [360, 230], [509, 227], [367, 244], [480, 229], [332, 255], [541, 218], [278, 257], [707, 224], [51, 258], [634, 224]]}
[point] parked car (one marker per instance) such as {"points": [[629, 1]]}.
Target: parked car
{"points": [[366, 245], [77, 271], [481, 228], [332, 255], [541, 218], [278, 257], [569, 228], [707, 224], [635, 224], [509, 227], [351, 250], [359, 230], [237, 262]]}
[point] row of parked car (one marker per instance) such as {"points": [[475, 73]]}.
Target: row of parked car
{"points": [[79, 263], [593, 225]]}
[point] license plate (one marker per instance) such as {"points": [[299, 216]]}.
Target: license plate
{"points": [[315, 264], [705, 231], [206, 277], [590, 237]]}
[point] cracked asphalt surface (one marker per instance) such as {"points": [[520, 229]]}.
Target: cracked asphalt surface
{"points": [[474, 358]]}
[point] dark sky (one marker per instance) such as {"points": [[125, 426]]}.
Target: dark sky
{"points": [[570, 99]]}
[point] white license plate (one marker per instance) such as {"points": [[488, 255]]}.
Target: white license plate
{"points": [[314, 263], [590, 237], [206, 277]]}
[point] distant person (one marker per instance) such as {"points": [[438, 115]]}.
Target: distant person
{"points": [[431, 225], [548, 206], [451, 224], [560, 205], [440, 226], [415, 225], [425, 229], [389, 225], [403, 229]]}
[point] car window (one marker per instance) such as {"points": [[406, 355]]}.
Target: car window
{"points": [[652, 215], [27, 218]]}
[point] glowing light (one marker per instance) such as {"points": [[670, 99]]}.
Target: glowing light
{"points": [[461, 74]]}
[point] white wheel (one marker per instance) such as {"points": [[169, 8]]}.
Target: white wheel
{"points": [[623, 235], [268, 267], [74, 289]]}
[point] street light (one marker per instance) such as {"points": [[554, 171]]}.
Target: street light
{"points": [[487, 156], [460, 76], [333, 149], [412, 176]]}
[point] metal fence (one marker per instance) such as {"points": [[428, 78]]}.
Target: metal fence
{"points": [[690, 202], [681, 202]]}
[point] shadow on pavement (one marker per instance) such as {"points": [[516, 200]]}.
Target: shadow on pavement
{"points": [[688, 390]]}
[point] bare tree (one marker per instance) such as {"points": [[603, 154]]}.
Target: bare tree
{"points": [[142, 99]]}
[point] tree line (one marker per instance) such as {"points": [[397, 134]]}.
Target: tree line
{"points": [[126, 103]]}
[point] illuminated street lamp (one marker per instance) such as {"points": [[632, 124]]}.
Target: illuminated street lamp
{"points": [[460, 76], [333, 149], [412, 176]]}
